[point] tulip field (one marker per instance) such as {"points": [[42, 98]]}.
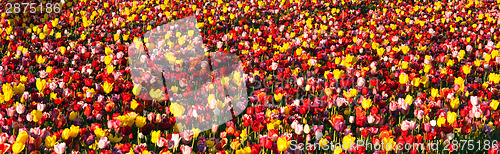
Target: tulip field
{"points": [[249, 76]]}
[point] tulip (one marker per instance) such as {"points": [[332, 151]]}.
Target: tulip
{"points": [[403, 78], [451, 117], [20, 108], [306, 129], [107, 87], [40, 84], [348, 142], [440, 121], [367, 103], [50, 141], [8, 92], [474, 100], [494, 104], [283, 144], [337, 73], [18, 147], [155, 135], [466, 69], [455, 102], [186, 149], [103, 143], [22, 137], [140, 121], [177, 110]]}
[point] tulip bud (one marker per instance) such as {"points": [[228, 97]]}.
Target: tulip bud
{"points": [[307, 129]]}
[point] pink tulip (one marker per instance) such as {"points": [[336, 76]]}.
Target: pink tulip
{"points": [[393, 106], [474, 100], [40, 106], [427, 127], [29, 117], [405, 125], [12, 139], [151, 116], [20, 108], [299, 129], [4, 137], [11, 111], [274, 66], [371, 119], [103, 143], [186, 149], [59, 148], [161, 142]]}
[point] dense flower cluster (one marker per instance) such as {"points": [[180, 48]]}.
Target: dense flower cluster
{"points": [[316, 71]]}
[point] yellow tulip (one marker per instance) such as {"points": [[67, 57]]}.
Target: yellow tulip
{"points": [[62, 49], [455, 102], [134, 104], [140, 121], [403, 78], [440, 121], [107, 60], [23, 79], [487, 57], [99, 132], [348, 142], [110, 69], [409, 99], [435, 92], [72, 115], [18, 147], [22, 137], [460, 81], [283, 144], [461, 54], [176, 109], [108, 50], [8, 92], [136, 90], [494, 104], [107, 87], [380, 52], [477, 62], [126, 120], [427, 68], [37, 115], [415, 82], [50, 141], [451, 117], [338, 150], [155, 135], [181, 40], [278, 97], [66, 134], [367, 103], [493, 77], [337, 73], [40, 84], [466, 69], [174, 89], [405, 65], [389, 143], [40, 59], [74, 131]]}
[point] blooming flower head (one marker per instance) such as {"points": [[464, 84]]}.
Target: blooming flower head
{"points": [[283, 144], [107, 87]]}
